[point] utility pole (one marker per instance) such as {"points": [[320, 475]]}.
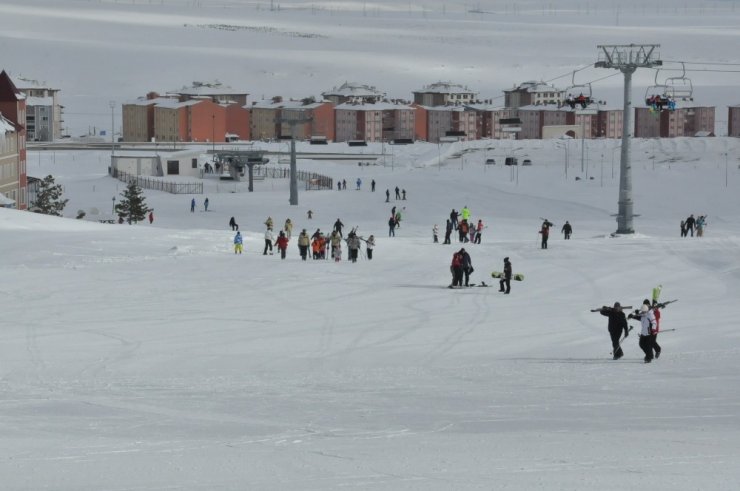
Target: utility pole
{"points": [[292, 123], [112, 105], [627, 58]]}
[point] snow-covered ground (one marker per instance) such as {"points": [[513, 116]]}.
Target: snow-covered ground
{"points": [[151, 357]]}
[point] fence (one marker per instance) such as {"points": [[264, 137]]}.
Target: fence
{"points": [[312, 179], [158, 184]]}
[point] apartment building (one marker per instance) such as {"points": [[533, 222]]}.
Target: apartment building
{"points": [[733, 121], [44, 115], [440, 123], [381, 121], [138, 118], [532, 93], [319, 117], [353, 92], [215, 91], [492, 122], [13, 179], [683, 121], [443, 94]]}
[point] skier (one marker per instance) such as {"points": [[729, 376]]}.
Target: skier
{"points": [[233, 225], [205, 204], [338, 227], [372, 185], [567, 230], [545, 231], [353, 246], [151, 216], [282, 244], [647, 320], [370, 245], [238, 243], [303, 242], [505, 277], [336, 245], [467, 265], [435, 233], [192, 206], [268, 241], [473, 232], [448, 231], [456, 268], [617, 324], [690, 222], [479, 231]]}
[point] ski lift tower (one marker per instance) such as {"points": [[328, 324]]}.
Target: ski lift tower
{"points": [[627, 58], [292, 123]]}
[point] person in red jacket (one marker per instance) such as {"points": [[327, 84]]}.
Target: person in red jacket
{"points": [[282, 244]]}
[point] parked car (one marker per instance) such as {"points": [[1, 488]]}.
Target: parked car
{"points": [[490, 161], [510, 161], [526, 162]]}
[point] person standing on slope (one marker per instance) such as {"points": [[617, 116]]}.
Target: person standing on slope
{"points": [[617, 324], [465, 213], [656, 312], [647, 321], [566, 230], [448, 231], [268, 241], [370, 245], [505, 280], [238, 243], [456, 268], [545, 232], [282, 244], [467, 264], [303, 242], [435, 234]]}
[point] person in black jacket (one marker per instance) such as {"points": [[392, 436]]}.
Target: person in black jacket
{"points": [[617, 324], [467, 265], [567, 230], [505, 280]]}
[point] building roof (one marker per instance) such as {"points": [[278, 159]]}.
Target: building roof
{"points": [[142, 101], [482, 106], [6, 126], [354, 89], [378, 106], [27, 83], [533, 86], [445, 88], [166, 103], [207, 89], [8, 90]]}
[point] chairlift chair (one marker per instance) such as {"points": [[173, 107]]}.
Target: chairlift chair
{"points": [[657, 96], [584, 97], [680, 88]]}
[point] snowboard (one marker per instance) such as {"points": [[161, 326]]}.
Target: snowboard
{"points": [[516, 277]]}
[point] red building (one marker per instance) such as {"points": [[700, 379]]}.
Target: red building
{"points": [[13, 178]]}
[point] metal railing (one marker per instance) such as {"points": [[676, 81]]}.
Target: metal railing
{"points": [[158, 184]]}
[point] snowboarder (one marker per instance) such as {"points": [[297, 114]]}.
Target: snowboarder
{"points": [[448, 231], [617, 324], [238, 243], [268, 241], [456, 268], [545, 232], [467, 264], [303, 242], [205, 204], [233, 225], [192, 205], [282, 244], [435, 233], [647, 320], [567, 230], [370, 245], [505, 278]]}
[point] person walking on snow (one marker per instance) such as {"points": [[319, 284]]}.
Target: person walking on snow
{"points": [[453, 218], [647, 321], [303, 242], [656, 312], [505, 280], [268, 241], [690, 222], [338, 225], [456, 268], [151, 216], [398, 193], [268, 223], [205, 204], [372, 186], [448, 231], [387, 195], [370, 245], [192, 207], [479, 231], [617, 324], [392, 226], [282, 244], [435, 233], [233, 225], [288, 228], [238, 243], [567, 230], [359, 184], [467, 265], [545, 231]]}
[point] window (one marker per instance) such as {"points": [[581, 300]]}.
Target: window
{"points": [[194, 163], [173, 167]]}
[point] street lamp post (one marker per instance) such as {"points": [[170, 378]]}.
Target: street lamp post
{"points": [[213, 136], [113, 208], [112, 105]]}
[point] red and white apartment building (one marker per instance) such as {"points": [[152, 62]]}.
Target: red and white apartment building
{"points": [[13, 178]]}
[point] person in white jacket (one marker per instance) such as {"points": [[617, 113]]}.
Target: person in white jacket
{"points": [[646, 316], [268, 241]]}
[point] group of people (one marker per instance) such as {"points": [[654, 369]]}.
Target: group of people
{"points": [[648, 315], [192, 205], [467, 231], [658, 102], [691, 223], [566, 230], [581, 100], [394, 221], [400, 194]]}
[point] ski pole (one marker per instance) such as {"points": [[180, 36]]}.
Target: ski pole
{"points": [[629, 329]]}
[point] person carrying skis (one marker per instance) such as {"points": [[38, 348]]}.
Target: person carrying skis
{"points": [[370, 245], [288, 228], [353, 246], [617, 324], [303, 242], [690, 222], [505, 277], [238, 243], [567, 230], [545, 231], [656, 312], [282, 244], [647, 321]]}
